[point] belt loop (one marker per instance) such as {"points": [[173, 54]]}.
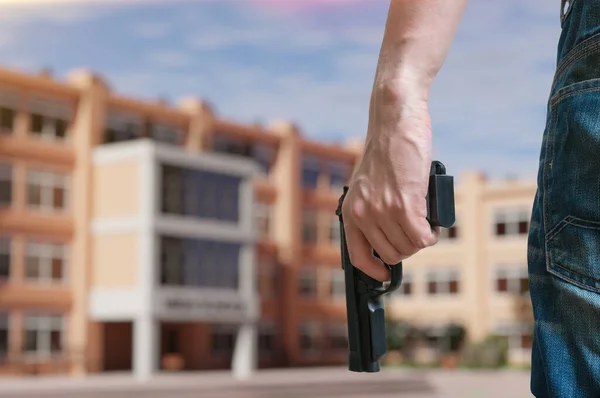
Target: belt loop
{"points": [[565, 8]]}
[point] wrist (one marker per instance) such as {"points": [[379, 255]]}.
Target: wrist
{"points": [[402, 85]]}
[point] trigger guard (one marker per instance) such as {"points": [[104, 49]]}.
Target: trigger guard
{"points": [[396, 278]]}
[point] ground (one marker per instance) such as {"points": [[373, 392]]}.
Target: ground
{"points": [[295, 383]]}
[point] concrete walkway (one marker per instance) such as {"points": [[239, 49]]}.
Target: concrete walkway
{"points": [[289, 383]]}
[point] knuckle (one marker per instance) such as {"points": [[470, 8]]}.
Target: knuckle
{"points": [[424, 241], [377, 208], [358, 211]]}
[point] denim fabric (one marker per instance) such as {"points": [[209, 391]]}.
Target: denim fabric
{"points": [[564, 238]]}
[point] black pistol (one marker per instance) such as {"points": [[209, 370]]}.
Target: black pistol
{"points": [[364, 304]]}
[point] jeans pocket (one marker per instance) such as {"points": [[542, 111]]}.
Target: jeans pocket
{"points": [[571, 170], [573, 248]]}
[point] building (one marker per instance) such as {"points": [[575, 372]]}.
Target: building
{"points": [[96, 245], [476, 276], [97, 236]]}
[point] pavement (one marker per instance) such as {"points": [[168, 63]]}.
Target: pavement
{"points": [[281, 383]]}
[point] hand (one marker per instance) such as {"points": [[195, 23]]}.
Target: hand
{"points": [[385, 208]]}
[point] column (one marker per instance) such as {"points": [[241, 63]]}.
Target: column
{"points": [[201, 124], [245, 353], [146, 328], [87, 131], [472, 232], [145, 347], [287, 227]]}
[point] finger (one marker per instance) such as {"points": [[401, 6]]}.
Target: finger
{"points": [[380, 243], [419, 231], [398, 238], [361, 254]]}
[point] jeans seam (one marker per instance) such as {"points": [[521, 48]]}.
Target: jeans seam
{"points": [[567, 278], [579, 51], [548, 156], [560, 96], [554, 231], [543, 361]]}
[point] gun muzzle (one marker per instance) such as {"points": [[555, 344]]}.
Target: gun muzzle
{"points": [[364, 302]]}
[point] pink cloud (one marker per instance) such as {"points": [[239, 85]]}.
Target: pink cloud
{"points": [[303, 5]]}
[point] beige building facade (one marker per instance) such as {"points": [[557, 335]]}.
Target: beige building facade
{"points": [[94, 247], [476, 276]]}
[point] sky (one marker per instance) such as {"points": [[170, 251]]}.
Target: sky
{"points": [[309, 61]]}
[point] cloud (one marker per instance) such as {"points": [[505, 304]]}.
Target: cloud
{"points": [[151, 30], [487, 104], [169, 58]]}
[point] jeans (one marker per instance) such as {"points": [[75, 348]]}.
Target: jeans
{"points": [[564, 237]]}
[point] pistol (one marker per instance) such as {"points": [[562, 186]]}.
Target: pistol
{"points": [[364, 302]]}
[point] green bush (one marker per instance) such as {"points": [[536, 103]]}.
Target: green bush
{"points": [[398, 334], [454, 337], [489, 353]]}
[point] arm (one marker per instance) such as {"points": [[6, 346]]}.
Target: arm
{"points": [[385, 207], [417, 37]]}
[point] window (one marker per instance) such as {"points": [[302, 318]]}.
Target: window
{"points": [[49, 119], [449, 233], [309, 337], [232, 146], [172, 260], [310, 173], [6, 184], [265, 155], [512, 280], [9, 103], [338, 283], [5, 255], [46, 190], [4, 328], [262, 213], [7, 119], [334, 231], [266, 338], [519, 335], [200, 263], [223, 339], [172, 190], [48, 127], [307, 282], [44, 334], [337, 336], [339, 174], [165, 134], [172, 341], [200, 194], [442, 282], [122, 128], [309, 226], [46, 262], [511, 222], [407, 284]]}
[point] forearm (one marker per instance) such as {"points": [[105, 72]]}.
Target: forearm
{"points": [[417, 37]]}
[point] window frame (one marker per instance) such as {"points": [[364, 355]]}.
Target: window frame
{"points": [[45, 252], [49, 322], [47, 181]]}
